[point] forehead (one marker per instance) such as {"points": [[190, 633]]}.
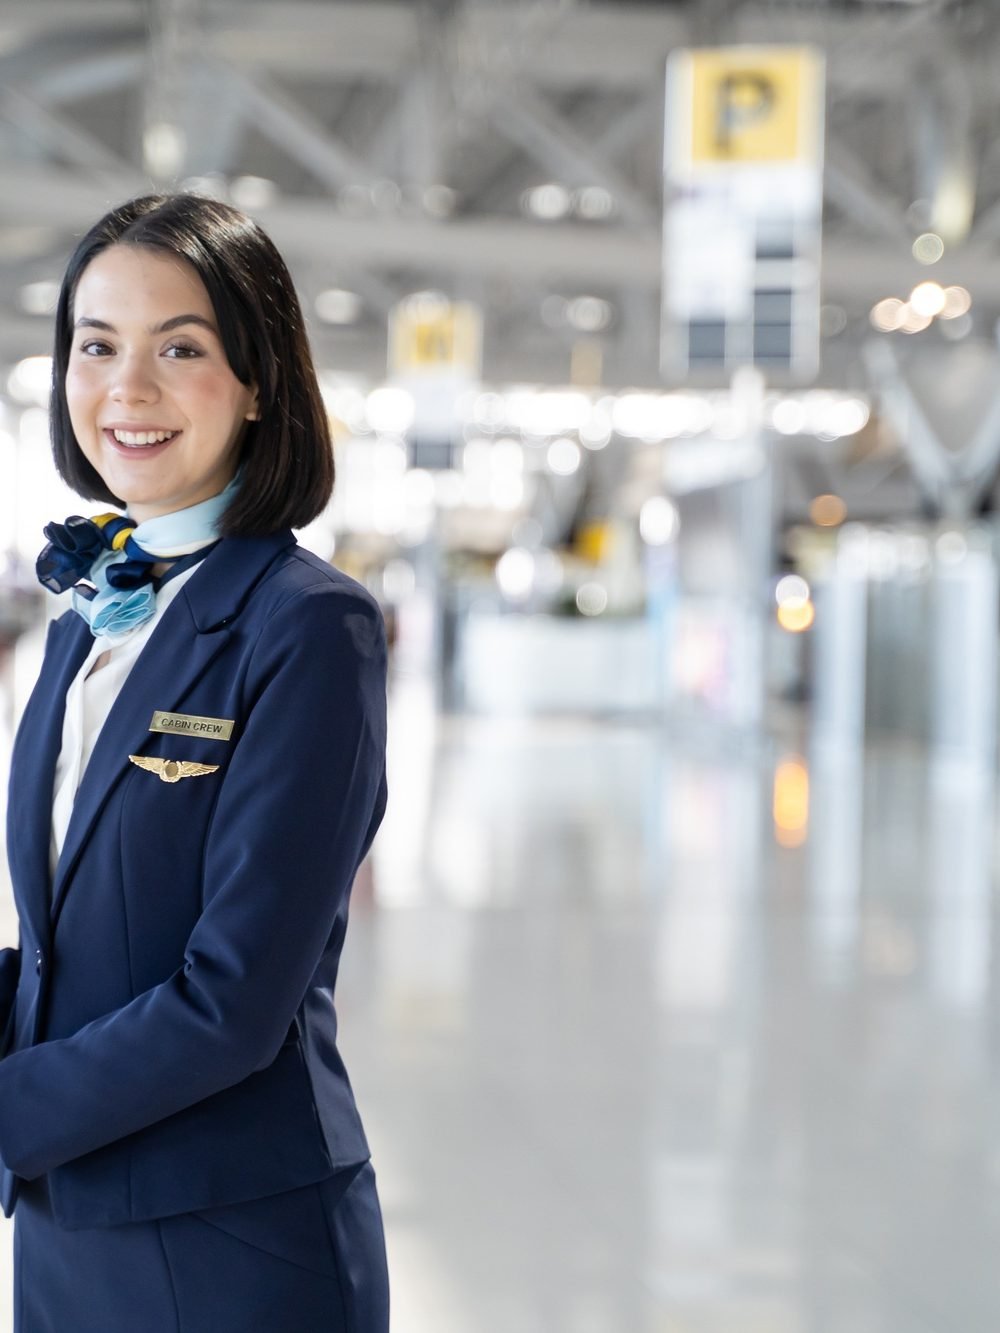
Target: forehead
{"points": [[133, 280]]}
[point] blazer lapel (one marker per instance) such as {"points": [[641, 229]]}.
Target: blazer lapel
{"points": [[33, 765], [182, 647]]}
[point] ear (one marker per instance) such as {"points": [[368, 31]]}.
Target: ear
{"points": [[253, 412]]}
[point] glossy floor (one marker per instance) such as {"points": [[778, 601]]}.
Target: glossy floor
{"points": [[655, 1037]]}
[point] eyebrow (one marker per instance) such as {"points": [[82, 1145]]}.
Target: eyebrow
{"points": [[86, 322]]}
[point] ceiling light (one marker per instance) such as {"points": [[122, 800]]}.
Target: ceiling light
{"points": [[390, 410], [888, 315], [791, 588], [827, 511], [595, 433], [250, 192], [39, 298], [515, 573], [563, 457], [31, 379], [548, 202], [594, 203], [546, 412], [788, 416], [337, 306], [914, 322], [589, 314], [796, 616], [658, 521], [846, 417], [957, 302], [163, 149], [591, 599], [927, 298], [928, 248]]}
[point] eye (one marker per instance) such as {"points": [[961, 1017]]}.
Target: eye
{"points": [[94, 347], [183, 351]]}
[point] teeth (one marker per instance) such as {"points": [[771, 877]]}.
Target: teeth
{"points": [[143, 436]]}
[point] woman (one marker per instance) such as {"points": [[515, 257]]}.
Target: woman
{"points": [[196, 779]]}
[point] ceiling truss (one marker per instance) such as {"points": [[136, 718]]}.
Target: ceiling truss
{"points": [[401, 137]]}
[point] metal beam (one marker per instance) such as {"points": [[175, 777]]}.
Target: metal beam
{"points": [[359, 39], [529, 121], [940, 118], [57, 137], [22, 19], [642, 119], [41, 196], [375, 41], [930, 461], [305, 139], [848, 183], [72, 80]]}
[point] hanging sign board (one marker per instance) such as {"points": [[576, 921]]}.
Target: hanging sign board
{"points": [[743, 164], [435, 353], [430, 335]]}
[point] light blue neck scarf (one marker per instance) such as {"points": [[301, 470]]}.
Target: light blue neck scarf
{"points": [[112, 613]]}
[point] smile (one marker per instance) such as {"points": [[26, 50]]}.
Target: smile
{"points": [[144, 437], [139, 439]]}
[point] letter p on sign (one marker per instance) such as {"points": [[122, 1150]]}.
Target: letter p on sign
{"points": [[753, 105]]}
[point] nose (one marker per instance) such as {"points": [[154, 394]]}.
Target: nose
{"points": [[134, 381]]}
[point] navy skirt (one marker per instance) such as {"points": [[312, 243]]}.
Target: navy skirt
{"points": [[311, 1260]]}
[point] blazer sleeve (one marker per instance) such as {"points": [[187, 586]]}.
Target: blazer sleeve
{"points": [[301, 800]]}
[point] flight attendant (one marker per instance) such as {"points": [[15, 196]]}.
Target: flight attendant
{"points": [[196, 779]]}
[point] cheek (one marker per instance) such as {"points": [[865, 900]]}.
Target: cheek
{"points": [[195, 393], [218, 401], [81, 395], [84, 379]]}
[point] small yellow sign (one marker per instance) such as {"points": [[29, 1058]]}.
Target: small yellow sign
{"points": [[755, 104], [435, 336]]}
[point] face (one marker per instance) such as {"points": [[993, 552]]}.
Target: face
{"points": [[152, 399]]}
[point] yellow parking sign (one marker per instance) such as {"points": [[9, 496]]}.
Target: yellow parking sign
{"points": [[755, 104]]}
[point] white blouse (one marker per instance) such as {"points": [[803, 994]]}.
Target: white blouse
{"points": [[89, 700]]}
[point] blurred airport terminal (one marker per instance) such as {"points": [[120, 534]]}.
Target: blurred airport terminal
{"points": [[660, 345]]}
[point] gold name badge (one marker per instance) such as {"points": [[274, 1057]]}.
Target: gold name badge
{"points": [[185, 724]]}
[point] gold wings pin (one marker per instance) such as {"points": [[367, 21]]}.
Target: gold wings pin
{"points": [[172, 770]]}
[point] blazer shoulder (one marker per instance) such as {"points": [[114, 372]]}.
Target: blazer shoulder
{"points": [[307, 611], [301, 577]]}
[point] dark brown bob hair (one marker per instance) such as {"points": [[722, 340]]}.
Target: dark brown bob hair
{"points": [[286, 458]]}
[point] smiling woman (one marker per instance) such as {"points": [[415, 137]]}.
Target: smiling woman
{"points": [[197, 777]]}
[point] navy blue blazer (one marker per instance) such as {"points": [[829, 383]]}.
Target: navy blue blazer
{"points": [[172, 1039]]}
